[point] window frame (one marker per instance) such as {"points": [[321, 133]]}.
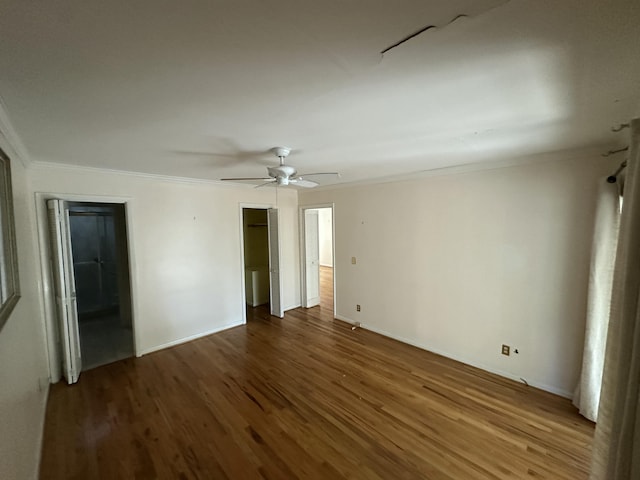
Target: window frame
{"points": [[9, 279]]}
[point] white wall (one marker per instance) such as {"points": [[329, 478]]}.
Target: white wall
{"points": [[325, 233], [23, 361], [460, 264], [185, 248]]}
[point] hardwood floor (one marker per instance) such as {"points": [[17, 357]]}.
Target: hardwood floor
{"points": [[306, 397]]}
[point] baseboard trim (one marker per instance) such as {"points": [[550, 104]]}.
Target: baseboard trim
{"points": [[188, 339], [532, 383], [43, 418], [200, 335]]}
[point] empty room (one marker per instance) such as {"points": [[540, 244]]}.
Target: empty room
{"points": [[320, 240]]}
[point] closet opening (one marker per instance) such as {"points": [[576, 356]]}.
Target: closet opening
{"points": [[261, 263]]}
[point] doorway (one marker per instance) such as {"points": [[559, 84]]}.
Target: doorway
{"points": [[318, 258], [92, 283], [101, 268], [261, 262]]}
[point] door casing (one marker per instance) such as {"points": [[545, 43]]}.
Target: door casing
{"points": [[48, 301], [303, 260], [255, 206]]}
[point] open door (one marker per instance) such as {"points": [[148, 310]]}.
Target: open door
{"points": [[274, 263], [65, 291], [312, 258]]}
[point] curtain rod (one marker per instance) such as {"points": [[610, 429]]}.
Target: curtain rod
{"points": [[613, 152], [620, 127], [613, 178]]}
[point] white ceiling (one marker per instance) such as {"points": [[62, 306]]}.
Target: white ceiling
{"points": [[204, 88]]}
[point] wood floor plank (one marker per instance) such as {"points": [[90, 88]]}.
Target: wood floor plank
{"points": [[307, 397]]}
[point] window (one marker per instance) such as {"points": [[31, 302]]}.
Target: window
{"points": [[9, 285]]}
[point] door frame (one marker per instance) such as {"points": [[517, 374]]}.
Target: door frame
{"points": [[254, 206], [52, 333], [315, 295], [303, 249]]}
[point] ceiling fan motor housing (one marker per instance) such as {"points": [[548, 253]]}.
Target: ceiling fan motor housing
{"points": [[282, 172], [281, 152]]}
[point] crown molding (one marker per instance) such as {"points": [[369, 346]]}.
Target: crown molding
{"points": [[10, 138], [548, 157], [42, 165]]}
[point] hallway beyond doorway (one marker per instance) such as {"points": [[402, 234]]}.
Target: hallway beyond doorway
{"points": [[326, 288]]}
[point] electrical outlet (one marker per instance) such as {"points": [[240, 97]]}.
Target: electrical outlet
{"points": [[506, 350], [357, 308], [353, 260]]}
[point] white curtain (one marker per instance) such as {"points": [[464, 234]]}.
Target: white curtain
{"points": [[616, 447], [603, 253]]}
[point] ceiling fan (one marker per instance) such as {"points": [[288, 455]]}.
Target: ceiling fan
{"points": [[283, 175]]}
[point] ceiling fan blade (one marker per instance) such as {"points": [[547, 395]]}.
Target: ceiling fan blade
{"points": [[270, 182], [204, 153], [299, 182], [225, 152], [208, 158], [318, 173], [248, 179]]}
